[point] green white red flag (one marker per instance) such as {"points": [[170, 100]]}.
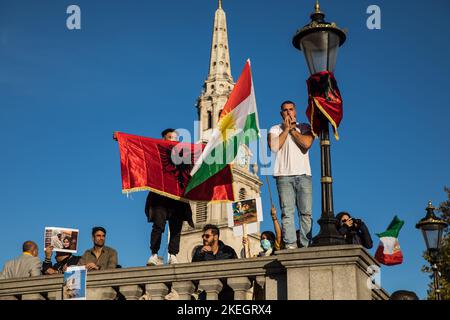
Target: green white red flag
{"points": [[238, 124], [389, 252]]}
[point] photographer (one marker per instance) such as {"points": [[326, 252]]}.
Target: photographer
{"points": [[354, 230]]}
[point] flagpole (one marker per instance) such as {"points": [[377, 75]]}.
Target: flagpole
{"points": [[247, 244], [168, 241], [270, 192]]}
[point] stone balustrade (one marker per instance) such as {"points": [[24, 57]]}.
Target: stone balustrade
{"points": [[329, 273]]}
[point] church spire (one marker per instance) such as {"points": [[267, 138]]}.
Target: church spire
{"points": [[219, 67], [219, 82]]}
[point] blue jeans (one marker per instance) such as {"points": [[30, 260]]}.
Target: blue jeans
{"points": [[295, 191]]}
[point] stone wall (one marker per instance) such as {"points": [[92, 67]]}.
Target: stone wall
{"points": [[325, 273]]}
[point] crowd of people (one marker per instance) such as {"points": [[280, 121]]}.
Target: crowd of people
{"points": [[290, 141], [28, 264]]}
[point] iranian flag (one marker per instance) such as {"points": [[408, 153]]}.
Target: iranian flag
{"points": [[388, 252], [238, 124]]}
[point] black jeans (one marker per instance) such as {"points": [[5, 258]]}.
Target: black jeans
{"points": [[161, 215]]}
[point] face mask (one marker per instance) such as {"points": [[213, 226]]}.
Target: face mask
{"points": [[266, 245]]}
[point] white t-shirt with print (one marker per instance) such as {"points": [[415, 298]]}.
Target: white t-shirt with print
{"points": [[290, 160]]}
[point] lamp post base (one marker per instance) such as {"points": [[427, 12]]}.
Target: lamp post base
{"points": [[328, 234]]}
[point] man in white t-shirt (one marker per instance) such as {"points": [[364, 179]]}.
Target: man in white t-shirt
{"points": [[291, 141]]}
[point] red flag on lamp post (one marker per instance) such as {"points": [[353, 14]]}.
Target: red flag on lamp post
{"points": [[324, 98]]}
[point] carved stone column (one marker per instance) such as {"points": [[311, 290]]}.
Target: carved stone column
{"points": [[211, 287], [156, 291], [240, 285], [184, 289], [133, 292]]}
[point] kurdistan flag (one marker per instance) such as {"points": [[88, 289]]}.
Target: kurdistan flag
{"points": [[238, 124], [388, 252]]}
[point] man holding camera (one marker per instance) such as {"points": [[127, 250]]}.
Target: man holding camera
{"points": [[354, 231]]}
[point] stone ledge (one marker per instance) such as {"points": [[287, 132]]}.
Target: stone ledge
{"points": [[272, 267]]}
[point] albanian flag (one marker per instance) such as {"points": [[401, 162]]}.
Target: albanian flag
{"points": [[324, 98], [164, 167]]}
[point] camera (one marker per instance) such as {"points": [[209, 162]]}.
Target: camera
{"points": [[356, 224]]}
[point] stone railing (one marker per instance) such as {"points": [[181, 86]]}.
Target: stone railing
{"points": [[328, 273]]}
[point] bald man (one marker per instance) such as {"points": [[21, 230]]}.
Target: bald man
{"points": [[26, 265]]}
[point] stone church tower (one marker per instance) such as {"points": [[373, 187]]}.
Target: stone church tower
{"points": [[216, 90]]}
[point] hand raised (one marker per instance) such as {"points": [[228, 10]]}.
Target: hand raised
{"points": [[273, 212], [48, 252], [286, 124], [293, 123], [349, 222]]}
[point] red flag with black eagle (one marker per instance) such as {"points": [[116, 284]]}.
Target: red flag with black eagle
{"points": [[164, 167], [324, 98]]}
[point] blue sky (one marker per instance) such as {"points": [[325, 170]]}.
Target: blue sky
{"points": [[138, 67]]}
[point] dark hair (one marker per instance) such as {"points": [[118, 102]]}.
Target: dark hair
{"points": [[68, 239], [95, 229], [339, 217], [269, 235], [214, 229], [28, 246], [403, 295], [168, 130], [287, 102]]}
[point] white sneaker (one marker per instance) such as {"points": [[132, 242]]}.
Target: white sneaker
{"points": [[172, 259], [291, 246], [153, 260]]}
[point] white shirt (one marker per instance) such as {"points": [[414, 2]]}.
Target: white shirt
{"points": [[290, 160]]}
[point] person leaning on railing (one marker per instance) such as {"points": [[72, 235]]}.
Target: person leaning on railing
{"points": [[26, 265], [100, 257], [213, 248], [63, 260]]}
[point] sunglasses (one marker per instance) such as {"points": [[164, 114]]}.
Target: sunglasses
{"points": [[206, 236]]}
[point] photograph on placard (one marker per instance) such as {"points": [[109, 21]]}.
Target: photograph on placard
{"points": [[62, 239]]}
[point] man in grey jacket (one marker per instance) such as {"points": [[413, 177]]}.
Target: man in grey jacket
{"points": [[26, 265]]}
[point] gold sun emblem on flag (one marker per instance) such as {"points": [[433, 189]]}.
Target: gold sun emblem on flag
{"points": [[227, 126]]}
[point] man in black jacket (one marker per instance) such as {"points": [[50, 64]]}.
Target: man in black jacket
{"points": [[160, 209], [213, 248]]}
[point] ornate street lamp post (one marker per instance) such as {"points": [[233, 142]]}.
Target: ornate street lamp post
{"points": [[320, 41], [432, 229]]}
